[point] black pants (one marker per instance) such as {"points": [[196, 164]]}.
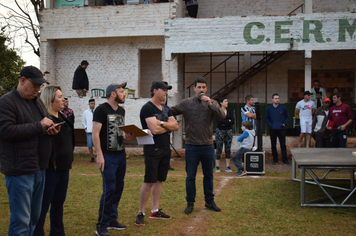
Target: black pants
{"points": [[281, 134], [321, 142], [193, 10], [339, 138]]}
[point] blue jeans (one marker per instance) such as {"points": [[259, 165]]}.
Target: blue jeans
{"points": [[55, 193], [193, 155], [113, 185], [239, 155], [89, 140], [25, 197]]}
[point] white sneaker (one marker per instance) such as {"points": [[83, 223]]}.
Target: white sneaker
{"points": [[217, 169]]}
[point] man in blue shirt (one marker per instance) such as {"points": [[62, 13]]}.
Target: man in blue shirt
{"points": [[248, 112], [277, 118]]}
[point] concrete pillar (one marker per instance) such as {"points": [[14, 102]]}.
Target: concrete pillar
{"points": [[307, 71], [308, 6]]}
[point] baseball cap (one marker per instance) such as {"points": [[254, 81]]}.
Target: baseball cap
{"points": [[326, 99], [307, 93], [33, 73], [113, 87], [160, 85]]}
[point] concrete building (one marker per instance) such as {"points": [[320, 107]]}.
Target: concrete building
{"points": [[241, 47]]}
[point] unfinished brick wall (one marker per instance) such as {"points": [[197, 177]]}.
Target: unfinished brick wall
{"points": [[344, 79]]}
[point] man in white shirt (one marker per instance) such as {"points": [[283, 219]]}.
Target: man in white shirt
{"points": [[87, 122], [305, 109]]}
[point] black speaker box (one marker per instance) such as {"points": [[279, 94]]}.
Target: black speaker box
{"points": [[254, 163]]}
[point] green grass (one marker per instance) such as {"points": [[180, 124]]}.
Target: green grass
{"points": [[250, 206]]}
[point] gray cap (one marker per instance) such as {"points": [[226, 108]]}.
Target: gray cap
{"points": [[112, 87], [34, 74]]}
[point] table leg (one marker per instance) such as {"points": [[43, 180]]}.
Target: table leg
{"points": [[302, 186]]}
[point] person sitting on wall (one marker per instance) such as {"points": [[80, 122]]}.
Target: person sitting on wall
{"points": [[192, 7], [80, 79]]}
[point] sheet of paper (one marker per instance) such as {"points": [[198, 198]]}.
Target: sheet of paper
{"points": [[145, 140]]}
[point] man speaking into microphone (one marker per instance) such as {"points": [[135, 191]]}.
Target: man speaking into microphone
{"points": [[198, 113]]}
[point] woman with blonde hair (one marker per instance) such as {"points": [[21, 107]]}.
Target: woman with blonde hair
{"points": [[57, 174]]}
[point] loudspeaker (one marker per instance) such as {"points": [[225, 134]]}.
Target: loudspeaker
{"points": [[254, 163]]}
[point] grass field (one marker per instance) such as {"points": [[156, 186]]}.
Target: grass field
{"points": [[266, 205]]}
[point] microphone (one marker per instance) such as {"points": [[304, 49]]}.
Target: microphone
{"points": [[201, 97]]}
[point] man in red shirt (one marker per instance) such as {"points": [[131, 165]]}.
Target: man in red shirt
{"points": [[342, 117]]}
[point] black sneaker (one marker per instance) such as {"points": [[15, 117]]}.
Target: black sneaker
{"points": [[92, 159], [170, 168], [274, 162], [102, 232], [212, 206], [189, 208], [159, 215], [140, 219], [116, 225], [286, 163]]}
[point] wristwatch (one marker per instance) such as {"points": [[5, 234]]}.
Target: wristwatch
{"points": [[161, 124]]}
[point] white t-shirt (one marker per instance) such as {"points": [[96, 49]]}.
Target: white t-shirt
{"points": [[305, 109]]}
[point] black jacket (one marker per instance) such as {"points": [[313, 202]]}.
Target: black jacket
{"points": [[19, 136], [63, 144], [80, 79]]}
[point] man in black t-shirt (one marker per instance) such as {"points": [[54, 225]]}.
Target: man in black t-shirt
{"points": [[159, 120], [108, 141]]}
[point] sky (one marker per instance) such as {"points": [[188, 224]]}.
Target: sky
{"points": [[23, 50]]}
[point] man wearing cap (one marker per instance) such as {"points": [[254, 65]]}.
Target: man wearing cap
{"points": [[342, 117], [198, 112], [25, 149], [87, 122], [80, 79], [108, 141], [305, 109], [320, 119], [159, 120]]}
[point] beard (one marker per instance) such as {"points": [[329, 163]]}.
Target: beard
{"points": [[118, 100]]}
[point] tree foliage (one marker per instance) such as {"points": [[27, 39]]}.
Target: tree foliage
{"points": [[22, 20], [10, 66]]}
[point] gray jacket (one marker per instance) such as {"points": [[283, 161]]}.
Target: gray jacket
{"points": [[198, 120]]}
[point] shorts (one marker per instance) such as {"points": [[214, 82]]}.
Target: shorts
{"points": [[306, 125], [89, 140], [157, 163]]}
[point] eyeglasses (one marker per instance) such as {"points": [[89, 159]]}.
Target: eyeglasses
{"points": [[35, 85]]}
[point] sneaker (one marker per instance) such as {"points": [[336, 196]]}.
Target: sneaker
{"points": [[102, 232], [212, 206], [228, 169], [92, 159], [170, 168], [241, 173], [116, 225], [159, 215], [286, 163], [140, 219], [217, 169], [274, 162], [189, 208]]}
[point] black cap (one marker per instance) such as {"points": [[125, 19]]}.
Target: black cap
{"points": [[112, 87], [160, 85], [307, 93], [34, 74]]}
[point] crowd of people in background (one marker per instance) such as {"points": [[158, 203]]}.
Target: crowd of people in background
{"points": [[38, 132]]}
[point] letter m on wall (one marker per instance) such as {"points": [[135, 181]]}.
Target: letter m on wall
{"points": [[344, 26]]}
